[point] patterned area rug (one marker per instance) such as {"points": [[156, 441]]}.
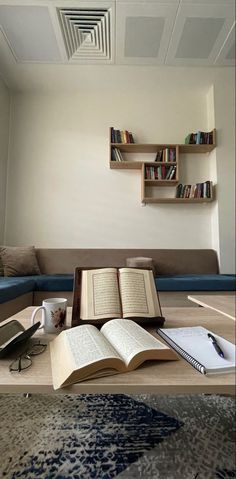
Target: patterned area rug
{"points": [[117, 436]]}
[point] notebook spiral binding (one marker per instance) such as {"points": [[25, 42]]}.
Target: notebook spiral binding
{"points": [[196, 364]]}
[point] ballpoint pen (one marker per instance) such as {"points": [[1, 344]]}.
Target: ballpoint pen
{"points": [[216, 345]]}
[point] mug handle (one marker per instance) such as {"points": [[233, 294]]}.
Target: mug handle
{"points": [[34, 314]]}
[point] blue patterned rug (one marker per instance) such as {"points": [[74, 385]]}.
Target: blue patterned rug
{"points": [[117, 436]]}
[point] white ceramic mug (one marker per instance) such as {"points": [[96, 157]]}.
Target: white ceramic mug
{"points": [[53, 314]]}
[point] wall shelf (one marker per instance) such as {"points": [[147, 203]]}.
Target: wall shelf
{"points": [[177, 200], [126, 165], [159, 173], [160, 182]]}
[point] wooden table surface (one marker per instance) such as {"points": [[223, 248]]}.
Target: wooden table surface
{"points": [[157, 377], [222, 304]]}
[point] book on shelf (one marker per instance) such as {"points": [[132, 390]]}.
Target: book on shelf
{"points": [[116, 155], [167, 155], [171, 173], [199, 190], [120, 346], [121, 136], [199, 138], [105, 293], [194, 345], [159, 155], [160, 172]]}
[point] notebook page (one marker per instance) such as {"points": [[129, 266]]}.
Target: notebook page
{"points": [[195, 342]]}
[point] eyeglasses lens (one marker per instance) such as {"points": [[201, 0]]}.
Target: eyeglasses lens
{"points": [[23, 362], [36, 349]]}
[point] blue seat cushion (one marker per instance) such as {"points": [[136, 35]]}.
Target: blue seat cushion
{"points": [[12, 287], [53, 282], [196, 282]]}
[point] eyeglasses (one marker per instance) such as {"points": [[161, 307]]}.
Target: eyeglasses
{"points": [[24, 361]]}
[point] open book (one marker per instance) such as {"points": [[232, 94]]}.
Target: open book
{"points": [[107, 293], [120, 346]]}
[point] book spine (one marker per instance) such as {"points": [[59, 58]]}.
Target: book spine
{"points": [[169, 170], [172, 174], [199, 138], [178, 190], [112, 135], [131, 137], [113, 155]]}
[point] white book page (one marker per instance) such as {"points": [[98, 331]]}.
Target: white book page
{"points": [[78, 348], [129, 339], [195, 342], [87, 345], [100, 296], [138, 293]]}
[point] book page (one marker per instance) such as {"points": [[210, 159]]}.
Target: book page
{"points": [[130, 339], [82, 349], [138, 293], [100, 296]]}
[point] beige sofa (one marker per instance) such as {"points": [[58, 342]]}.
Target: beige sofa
{"points": [[172, 267]]}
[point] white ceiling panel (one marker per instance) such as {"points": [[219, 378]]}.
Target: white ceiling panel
{"points": [[29, 33], [131, 32], [143, 32], [199, 33], [226, 56]]}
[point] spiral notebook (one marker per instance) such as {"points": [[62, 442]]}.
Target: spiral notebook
{"points": [[193, 344]]}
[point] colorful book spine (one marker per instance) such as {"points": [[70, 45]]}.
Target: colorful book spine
{"points": [[199, 138], [121, 136], [198, 190]]}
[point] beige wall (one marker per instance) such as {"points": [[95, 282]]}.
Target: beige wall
{"points": [[4, 140], [61, 190]]}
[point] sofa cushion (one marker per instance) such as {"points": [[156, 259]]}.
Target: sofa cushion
{"points": [[1, 268], [195, 282], [11, 288], [53, 282], [166, 261], [19, 261], [141, 262]]}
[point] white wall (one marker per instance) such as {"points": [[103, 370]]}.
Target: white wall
{"points": [[224, 100], [61, 190], [4, 140]]}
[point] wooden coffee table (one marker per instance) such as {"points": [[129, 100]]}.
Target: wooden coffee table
{"points": [[222, 304], [171, 377]]}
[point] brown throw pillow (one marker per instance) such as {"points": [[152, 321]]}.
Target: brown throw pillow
{"points": [[141, 262], [1, 268], [19, 261]]}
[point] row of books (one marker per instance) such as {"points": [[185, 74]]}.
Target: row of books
{"points": [[168, 154], [161, 172], [116, 155], [199, 190], [121, 136], [199, 138]]}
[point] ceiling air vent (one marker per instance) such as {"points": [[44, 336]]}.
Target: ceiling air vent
{"points": [[86, 33]]}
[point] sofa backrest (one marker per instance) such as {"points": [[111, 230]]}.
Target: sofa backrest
{"points": [[167, 261]]}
